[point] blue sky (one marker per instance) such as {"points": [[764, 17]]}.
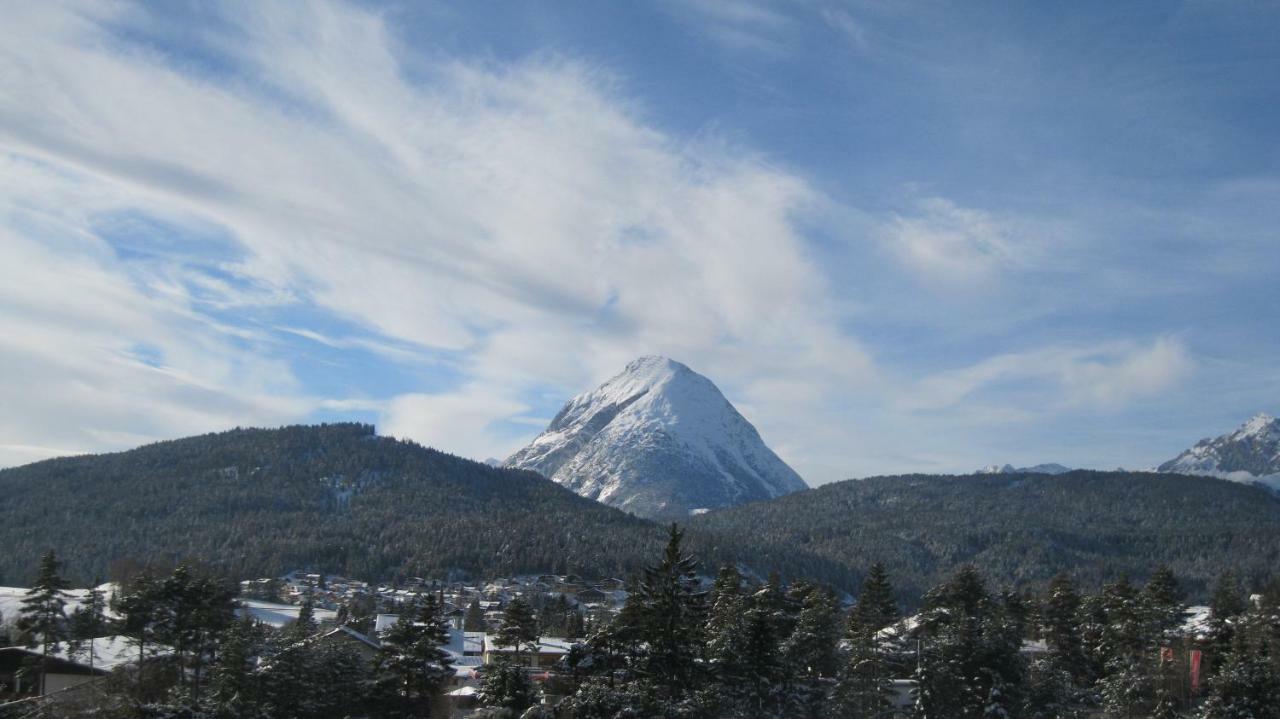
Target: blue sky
{"points": [[900, 236]]}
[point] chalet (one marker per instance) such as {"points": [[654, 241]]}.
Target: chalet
{"points": [[64, 670], [549, 651], [591, 596]]}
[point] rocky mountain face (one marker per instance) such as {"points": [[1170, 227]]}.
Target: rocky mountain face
{"points": [[1050, 468], [1249, 454], [658, 440]]}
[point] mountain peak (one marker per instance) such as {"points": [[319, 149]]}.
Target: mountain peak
{"points": [[660, 440], [1258, 425], [1251, 453]]}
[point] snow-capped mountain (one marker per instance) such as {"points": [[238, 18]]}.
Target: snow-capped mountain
{"points": [[658, 440], [1050, 468], [1249, 454]]}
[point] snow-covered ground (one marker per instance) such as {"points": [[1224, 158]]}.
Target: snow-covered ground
{"points": [[278, 615]]}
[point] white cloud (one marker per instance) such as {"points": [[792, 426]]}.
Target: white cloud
{"points": [[1017, 386], [945, 242], [522, 218], [460, 422]]}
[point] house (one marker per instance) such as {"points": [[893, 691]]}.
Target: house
{"points": [[18, 676], [591, 596], [549, 651], [65, 670], [366, 647]]}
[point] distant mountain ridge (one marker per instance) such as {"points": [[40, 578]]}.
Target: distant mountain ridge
{"points": [[1251, 453], [1049, 468], [658, 440]]}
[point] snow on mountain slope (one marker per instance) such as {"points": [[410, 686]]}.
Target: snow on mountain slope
{"points": [[1249, 454], [658, 440]]}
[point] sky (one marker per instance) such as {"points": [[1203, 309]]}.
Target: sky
{"points": [[901, 237]]}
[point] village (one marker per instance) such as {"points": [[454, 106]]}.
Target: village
{"points": [[350, 612]]}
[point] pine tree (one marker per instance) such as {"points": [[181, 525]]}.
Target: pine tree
{"points": [[88, 622], [305, 625], [673, 611], [473, 621], [811, 648], [519, 628], [1060, 627], [725, 625], [42, 614], [876, 607], [970, 664], [413, 659], [507, 686], [1128, 652], [235, 690], [1163, 603], [1246, 686], [864, 687], [139, 605]]}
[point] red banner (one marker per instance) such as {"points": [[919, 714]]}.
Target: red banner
{"points": [[1195, 670]]}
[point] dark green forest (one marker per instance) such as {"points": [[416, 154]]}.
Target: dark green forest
{"points": [[1021, 529], [333, 497], [338, 498]]}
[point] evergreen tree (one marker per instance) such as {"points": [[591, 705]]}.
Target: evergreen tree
{"points": [[970, 665], [811, 648], [519, 628], [876, 607], [413, 659], [762, 686], [1060, 627], [864, 687], [139, 605], [1163, 602], [473, 620], [673, 616], [506, 685], [88, 622], [42, 614], [1128, 652], [725, 625], [235, 690], [1246, 685], [305, 625]]}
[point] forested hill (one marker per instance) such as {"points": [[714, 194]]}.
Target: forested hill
{"points": [[335, 497], [340, 499], [1017, 528]]}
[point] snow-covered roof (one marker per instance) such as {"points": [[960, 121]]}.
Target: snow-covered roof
{"points": [[546, 645], [108, 652], [278, 615]]}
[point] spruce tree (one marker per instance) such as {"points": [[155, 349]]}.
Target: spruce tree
{"points": [[673, 611], [42, 614], [725, 626], [519, 628], [876, 607], [506, 686], [235, 689], [473, 620], [1163, 603], [1060, 627], [864, 687], [413, 659], [88, 622]]}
